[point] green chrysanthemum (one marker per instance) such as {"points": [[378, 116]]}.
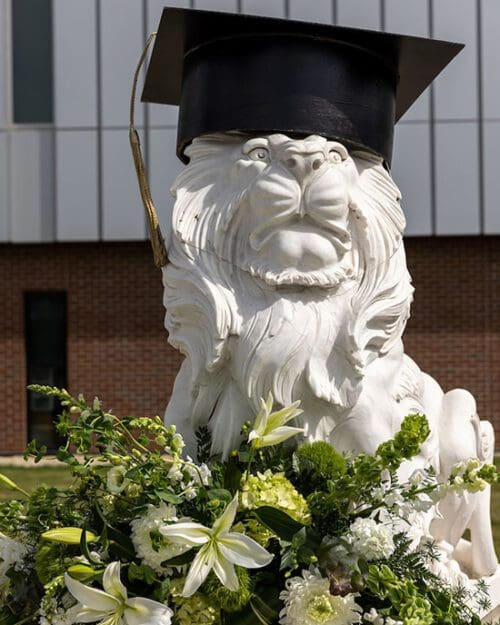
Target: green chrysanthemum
{"points": [[230, 601], [195, 610], [274, 489], [51, 560]]}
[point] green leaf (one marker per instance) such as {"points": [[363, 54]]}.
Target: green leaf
{"points": [[68, 535], [219, 493], [278, 522], [184, 558], [265, 614], [169, 497]]}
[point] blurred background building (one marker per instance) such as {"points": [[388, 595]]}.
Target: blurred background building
{"points": [[81, 300]]}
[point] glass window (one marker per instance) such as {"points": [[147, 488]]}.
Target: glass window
{"points": [[45, 336], [32, 61]]}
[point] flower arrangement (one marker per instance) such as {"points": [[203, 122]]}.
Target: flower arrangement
{"points": [[282, 532]]}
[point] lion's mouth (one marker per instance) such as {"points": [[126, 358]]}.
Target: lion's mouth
{"points": [[306, 224]]}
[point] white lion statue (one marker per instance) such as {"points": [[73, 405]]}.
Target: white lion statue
{"points": [[287, 274]]}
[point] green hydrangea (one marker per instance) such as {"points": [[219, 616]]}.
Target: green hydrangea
{"points": [[255, 530], [229, 601], [274, 489], [195, 610]]}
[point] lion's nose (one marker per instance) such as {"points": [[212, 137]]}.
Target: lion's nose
{"points": [[304, 165]]}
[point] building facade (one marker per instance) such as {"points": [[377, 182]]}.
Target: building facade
{"points": [[82, 299]]}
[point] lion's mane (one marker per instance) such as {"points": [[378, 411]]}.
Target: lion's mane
{"points": [[234, 329]]}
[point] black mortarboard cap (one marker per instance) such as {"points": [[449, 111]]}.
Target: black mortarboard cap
{"points": [[251, 74]]}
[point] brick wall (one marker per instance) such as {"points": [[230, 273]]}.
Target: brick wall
{"points": [[117, 345]]}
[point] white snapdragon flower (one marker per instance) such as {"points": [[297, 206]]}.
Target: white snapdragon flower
{"points": [[112, 605], [175, 472], [116, 482], [154, 554], [374, 617], [12, 554], [371, 540], [308, 601], [220, 550]]}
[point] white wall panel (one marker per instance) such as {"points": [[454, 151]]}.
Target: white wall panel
{"points": [[456, 87], [317, 11], [161, 114], [122, 41], [217, 5], [491, 57], [411, 170], [359, 13], [271, 8], [410, 17], [75, 64], [491, 178], [122, 211], [457, 179], [4, 188], [76, 185], [33, 201], [163, 169], [3, 62]]}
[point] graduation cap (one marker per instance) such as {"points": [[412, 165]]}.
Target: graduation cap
{"points": [[259, 75]]}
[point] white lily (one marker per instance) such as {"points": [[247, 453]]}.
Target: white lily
{"points": [[269, 427], [112, 606], [220, 550]]}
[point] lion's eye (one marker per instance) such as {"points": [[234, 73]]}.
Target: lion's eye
{"points": [[334, 156], [259, 154]]}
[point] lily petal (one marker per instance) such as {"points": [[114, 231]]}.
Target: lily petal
{"points": [[225, 521], [226, 573], [112, 583], [269, 402], [244, 551], [199, 570], [92, 598], [186, 533], [261, 419], [283, 416], [277, 436], [141, 611], [88, 616]]}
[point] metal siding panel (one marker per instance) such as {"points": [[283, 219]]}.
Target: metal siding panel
{"points": [[122, 41], [410, 18], [491, 178], [76, 186], [490, 24], [319, 11], [456, 87], [217, 5], [164, 167], [457, 179], [122, 212], [75, 72], [4, 188], [271, 8], [161, 114], [359, 13], [412, 173], [33, 201], [3, 63]]}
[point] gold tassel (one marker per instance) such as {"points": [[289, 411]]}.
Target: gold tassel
{"points": [[155, 235]]}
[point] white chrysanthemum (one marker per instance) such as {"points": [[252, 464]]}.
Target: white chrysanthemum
{"points": [[150, 545], [370, 539], [12, 554], [308, 602]]}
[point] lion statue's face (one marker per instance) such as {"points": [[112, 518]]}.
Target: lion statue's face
{"points": [[294, 216]]}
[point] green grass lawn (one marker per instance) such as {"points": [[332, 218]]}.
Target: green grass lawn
{"points": [[29, 477]]}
